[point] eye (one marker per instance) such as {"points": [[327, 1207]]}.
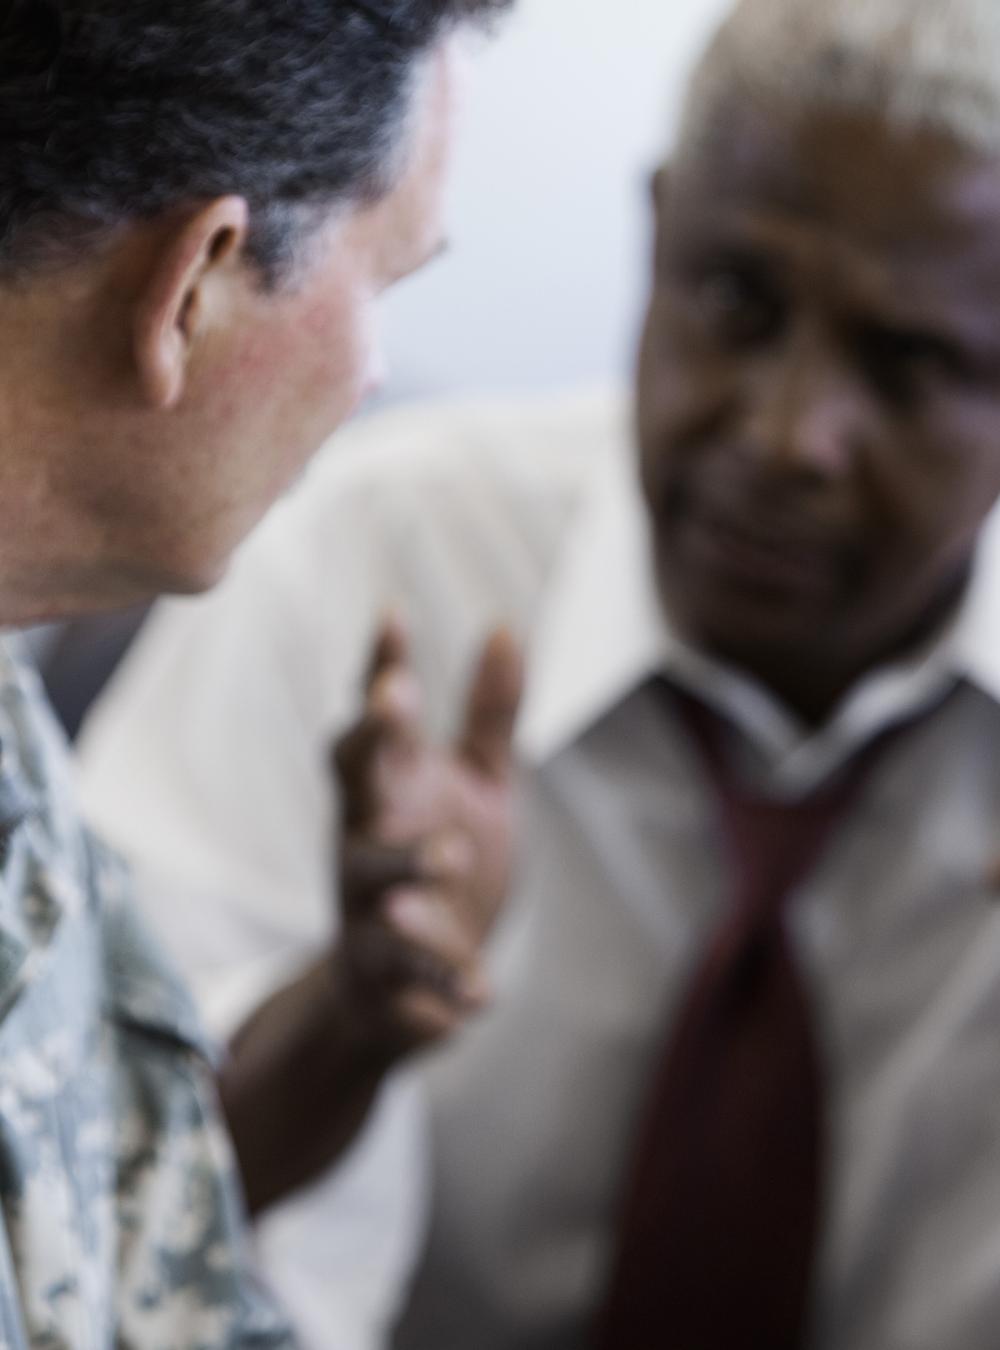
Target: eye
{"points": [[898, 359], [738, 303]]}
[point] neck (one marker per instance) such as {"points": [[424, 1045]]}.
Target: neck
{"points": [[49, 360], [813, 682]]}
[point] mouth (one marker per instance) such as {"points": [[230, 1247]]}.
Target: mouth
{"points": [[758, 556]]}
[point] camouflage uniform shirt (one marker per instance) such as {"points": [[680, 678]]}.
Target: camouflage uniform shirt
{"points": [[120, 1226]]}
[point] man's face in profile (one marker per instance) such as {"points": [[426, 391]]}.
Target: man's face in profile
{"points": [[819, 384], [268, 373]]}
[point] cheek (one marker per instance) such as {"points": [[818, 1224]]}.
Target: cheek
{"points": [[948, 475], [680, 375], [328, 345], [682, 396], [974, 432], [314, 366], [656, 385]]}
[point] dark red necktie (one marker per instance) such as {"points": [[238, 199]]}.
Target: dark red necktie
{"points": [[722, 1206]]}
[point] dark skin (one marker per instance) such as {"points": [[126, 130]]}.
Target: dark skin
{"points": [[819, 429], [423, 859], [819, 392]]}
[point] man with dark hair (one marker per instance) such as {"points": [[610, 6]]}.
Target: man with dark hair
{"points": [[198, 205]]}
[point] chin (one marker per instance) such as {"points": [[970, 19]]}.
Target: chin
{"points": [[146, 579], [195, 580], [739, 630]]}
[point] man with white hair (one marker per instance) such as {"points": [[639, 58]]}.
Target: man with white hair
{"points": [[736, 1085]]}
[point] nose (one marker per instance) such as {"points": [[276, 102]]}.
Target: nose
{"points": [[809, 413]]}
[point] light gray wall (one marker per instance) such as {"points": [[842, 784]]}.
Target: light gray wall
{"points": [[567, 112]]}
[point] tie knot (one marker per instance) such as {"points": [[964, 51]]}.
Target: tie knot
{"points": [[772, 844]]}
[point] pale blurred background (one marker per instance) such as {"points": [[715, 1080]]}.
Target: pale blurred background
{"points": [[566, 115]]}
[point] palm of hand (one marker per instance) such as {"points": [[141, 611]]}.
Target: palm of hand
{"points": [[427, 841]]}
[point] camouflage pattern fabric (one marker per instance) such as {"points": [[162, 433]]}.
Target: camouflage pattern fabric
{"points": [[120, 1222]]}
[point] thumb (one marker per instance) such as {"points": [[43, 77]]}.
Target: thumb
{"points": [[491, 709]]}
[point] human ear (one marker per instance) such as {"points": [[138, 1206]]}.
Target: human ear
{"points": [[171, 307]]}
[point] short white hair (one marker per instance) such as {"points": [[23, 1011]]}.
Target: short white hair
{"points": [[931, 64]]}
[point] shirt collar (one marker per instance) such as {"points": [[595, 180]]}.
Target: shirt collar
{"points": [[601, 633], [975, 639], [35, 810]]}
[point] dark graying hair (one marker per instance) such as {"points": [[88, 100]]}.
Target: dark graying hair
{"points": [[116, 110]]}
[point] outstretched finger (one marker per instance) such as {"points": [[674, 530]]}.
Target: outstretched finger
{"points": [[491, 709], [377, 747]]}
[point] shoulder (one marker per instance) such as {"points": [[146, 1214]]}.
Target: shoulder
{"points": [[142, 993], [38, 797], [74, 879], [186, 1272]]}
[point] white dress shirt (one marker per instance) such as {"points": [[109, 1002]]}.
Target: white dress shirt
{"points": [[207, 764]]}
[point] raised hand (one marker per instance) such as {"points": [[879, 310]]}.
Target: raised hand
{"points": [[426, 844]]}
